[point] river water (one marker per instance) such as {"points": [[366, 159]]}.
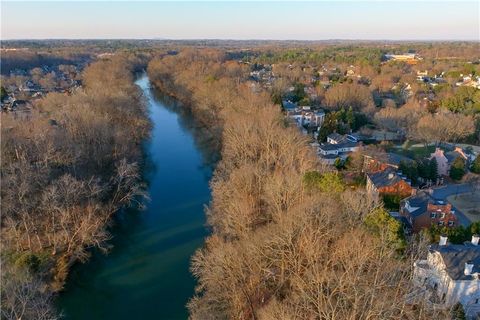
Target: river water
{"points": [[146, 274]]}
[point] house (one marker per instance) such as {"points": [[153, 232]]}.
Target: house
{"points": [[307, 118], [410, 58], [337, 146], [376, 163], [289, 105], [445, 159], [388, 182], [422, 76], [450, 274], [423, 211], [459, 152], [469, 81], [335, 138], [443, 167]]}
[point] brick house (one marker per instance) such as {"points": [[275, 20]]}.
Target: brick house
{"points": [[388, 182], [423, 211]]}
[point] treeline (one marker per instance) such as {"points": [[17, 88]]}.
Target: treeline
{"points": [[66, 168], [27, 59], [289, 240]]}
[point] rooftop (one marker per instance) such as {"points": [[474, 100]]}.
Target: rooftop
{"points": [[455, 256], [385, 178]]}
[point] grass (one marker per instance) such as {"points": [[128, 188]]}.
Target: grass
{"points": [[468, 203], [413, 152]]}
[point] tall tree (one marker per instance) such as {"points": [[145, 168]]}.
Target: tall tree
{"points": [[457, 169]]}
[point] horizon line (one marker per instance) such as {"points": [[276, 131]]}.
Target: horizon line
{"points": [[247, 39]]}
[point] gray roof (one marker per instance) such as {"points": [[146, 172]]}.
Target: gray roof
{"points": [[329, 146], [335, 136], [455, 256], [384, 178], [288, 104], [329, 156], [452, 155], [395, 159], [347, 144], [420, 201]]}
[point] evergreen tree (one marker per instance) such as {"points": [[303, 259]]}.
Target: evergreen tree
{"points": [[433, 170], [424, 168], [329, 125], [476, 165], [3, 93], [409, 169], [350, 117], [457, 312], [457, 169]]}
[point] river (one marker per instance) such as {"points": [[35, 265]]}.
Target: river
{"points": [[146, 274]]}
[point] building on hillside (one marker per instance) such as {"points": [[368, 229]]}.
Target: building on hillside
{"points": [[450, 274], [423, 211], [388, 182]]}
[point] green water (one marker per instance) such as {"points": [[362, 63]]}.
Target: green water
{"points": [[146, 275]]}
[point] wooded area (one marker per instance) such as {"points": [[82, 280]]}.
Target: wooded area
{"points": [[289, 240], [67, 166]]}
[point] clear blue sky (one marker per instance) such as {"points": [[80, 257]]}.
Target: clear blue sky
{"points": [[406, 20]]}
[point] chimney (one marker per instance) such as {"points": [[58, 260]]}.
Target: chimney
{"points": [[475, 239], [443, 240], [468, 268]]}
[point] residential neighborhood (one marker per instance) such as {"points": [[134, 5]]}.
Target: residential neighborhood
{"points": [[22, 87]]}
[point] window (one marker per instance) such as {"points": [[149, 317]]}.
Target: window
{"points": [[440, 223], [433, 215], [443, 215], [451, 223], [476, 301]]}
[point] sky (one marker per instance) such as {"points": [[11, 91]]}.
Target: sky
{"points": [[285, 20]]}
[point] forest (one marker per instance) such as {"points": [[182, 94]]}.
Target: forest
{"points": [[67, 167]]}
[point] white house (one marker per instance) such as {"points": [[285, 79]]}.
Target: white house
{"points": [[337, 146], [450, 274], [307, 118]]}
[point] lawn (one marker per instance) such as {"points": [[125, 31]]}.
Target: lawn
{"points": [[413, 152], [468, 203]]}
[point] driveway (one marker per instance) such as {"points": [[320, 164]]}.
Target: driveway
{"points": [[442, 193]]}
